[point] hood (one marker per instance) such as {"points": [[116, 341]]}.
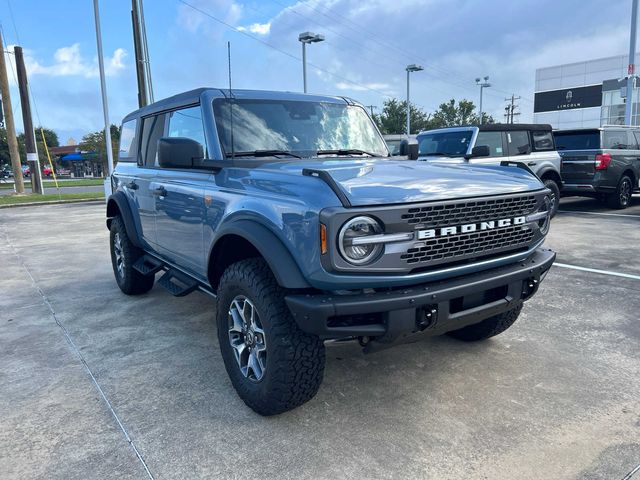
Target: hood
{"points": [[384, 182]]}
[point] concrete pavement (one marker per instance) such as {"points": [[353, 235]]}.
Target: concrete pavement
{"points": [[556, 396]]}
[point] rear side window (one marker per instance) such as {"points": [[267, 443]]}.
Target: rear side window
{"points": [[128, 142], [619, 140], [518, 143], [584, 140], [637, 134], [493, 140], [542, 141], [187, 123], [152, 131]]}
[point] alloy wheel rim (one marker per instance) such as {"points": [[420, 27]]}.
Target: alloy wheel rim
{"points": [[247, 338], [119, 254], [625, 192]]}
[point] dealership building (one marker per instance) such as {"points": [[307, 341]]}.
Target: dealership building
{"points": [[584, 94]]}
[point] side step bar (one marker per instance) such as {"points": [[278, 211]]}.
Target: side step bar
{"points": [[148, 265], [177, 283]]}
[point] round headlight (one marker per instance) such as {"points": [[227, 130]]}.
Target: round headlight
{"points": [[352, 240], [543, 223]]}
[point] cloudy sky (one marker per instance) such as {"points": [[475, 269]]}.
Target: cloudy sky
{"points": [[368, 45]]}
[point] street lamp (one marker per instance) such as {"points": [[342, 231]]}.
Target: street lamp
{"points": [[410, 68], [482, 84], [304, 38]]}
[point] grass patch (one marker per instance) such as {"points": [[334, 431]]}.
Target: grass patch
{"points": [[88, 182], [33, 198]]}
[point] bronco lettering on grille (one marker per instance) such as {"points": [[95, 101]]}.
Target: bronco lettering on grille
{"points": [[470, 227]]}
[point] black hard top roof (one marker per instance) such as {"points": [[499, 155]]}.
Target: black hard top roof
{"points": [[510, 127]]}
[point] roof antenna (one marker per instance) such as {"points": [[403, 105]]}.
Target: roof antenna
{"points": [[231, 99]]}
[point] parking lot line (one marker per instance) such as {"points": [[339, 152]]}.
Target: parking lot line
{"points": [[595, 270], [599, 213]]}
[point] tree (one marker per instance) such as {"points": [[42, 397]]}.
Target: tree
{"points": [[450, 114], [393, 118], [94, 142], [52, 141]]}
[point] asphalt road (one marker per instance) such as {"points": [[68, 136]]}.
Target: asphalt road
{"points": [[85, 369]]}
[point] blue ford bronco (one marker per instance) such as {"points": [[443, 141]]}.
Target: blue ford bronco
{"points": [[288, 209]]}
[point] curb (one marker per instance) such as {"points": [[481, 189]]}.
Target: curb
{"points": [[54, 202]]}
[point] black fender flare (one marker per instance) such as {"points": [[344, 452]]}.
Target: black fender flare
{"points": [[117, 204], [278, 257], [553, 172]]}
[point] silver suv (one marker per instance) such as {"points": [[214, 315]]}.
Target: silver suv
{"points": [[527, 144]]}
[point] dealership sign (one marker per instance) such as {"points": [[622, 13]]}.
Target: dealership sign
{"points": [[568, 99]]}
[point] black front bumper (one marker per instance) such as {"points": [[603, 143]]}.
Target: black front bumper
{"points": [[433, 308]]}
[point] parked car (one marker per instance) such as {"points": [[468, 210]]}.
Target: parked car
{"points": [[6, 172], [530, 145], [601, 162], [26, 171], [287, 208], [394, 141], [47, 171]]}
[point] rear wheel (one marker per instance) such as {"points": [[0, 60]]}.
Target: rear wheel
{"points": [[273, 365], [621, 198], [555, 195], [123, 255], [490, 327]]}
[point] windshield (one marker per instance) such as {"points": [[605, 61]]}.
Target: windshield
{"points": [[587, 140], [300, 127], [450, 144]]}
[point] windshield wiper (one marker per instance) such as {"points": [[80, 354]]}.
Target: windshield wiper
{"points": [[346, 151], [265, 153]]}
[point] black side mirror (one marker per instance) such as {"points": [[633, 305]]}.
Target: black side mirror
{"points": [[479, 151], [410, 150], [179, 152]]}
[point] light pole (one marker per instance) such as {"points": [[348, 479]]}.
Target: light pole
{"points": [[304, 38], [410, 68], [631, 72], [482, 84]]}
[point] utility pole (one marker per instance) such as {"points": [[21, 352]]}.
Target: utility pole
{"points": [[137, 48], [371, 109], [103, 90], [631, 72], [511, 108], [12, 140], [29, 133]]}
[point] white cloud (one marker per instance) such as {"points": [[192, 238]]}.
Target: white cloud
{"points": [[68, 61], [257, 28], [194, 18], [362, 87]]}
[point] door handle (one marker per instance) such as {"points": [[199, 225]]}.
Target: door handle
{"points": [[159, 192], [132, 185], [532, 164]]}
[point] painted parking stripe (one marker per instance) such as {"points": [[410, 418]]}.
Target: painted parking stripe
{"points": [[598, 213], [595, 270]]}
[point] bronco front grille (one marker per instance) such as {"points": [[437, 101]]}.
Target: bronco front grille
{"points": [[434, 216], [469, 244]]}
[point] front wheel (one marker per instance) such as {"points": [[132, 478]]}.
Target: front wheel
{"points": [[123, 255], [621, 198], [555, 195], [490, 327], [273, 365]]}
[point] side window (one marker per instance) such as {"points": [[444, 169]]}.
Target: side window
{"points": [[637, 134], [615, 139], [188, 123], [128, 142], [493, 140], [632, 144], [543, 141], [518, 143], [152, 131]]}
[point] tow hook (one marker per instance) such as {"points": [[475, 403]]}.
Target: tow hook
{"points": [[530, 287], [428, 318]]}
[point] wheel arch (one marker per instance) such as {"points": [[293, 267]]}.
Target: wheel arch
{"points": [[551, 174], [248, 239], [631, 174], [117, 204]]}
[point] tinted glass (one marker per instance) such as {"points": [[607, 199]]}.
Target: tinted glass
{"points": [[128, 142], [394, 146], [449, 144], [152, 131], [493, 140], [637, 135], [187, 123], [518, 143], [618, 140], [301, 127], [582, 140], [542, 141]]}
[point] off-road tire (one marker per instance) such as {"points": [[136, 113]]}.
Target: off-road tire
{"points": [[129, 280], [490, 327], [295, 359], [621, 198], [555, 192]]}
